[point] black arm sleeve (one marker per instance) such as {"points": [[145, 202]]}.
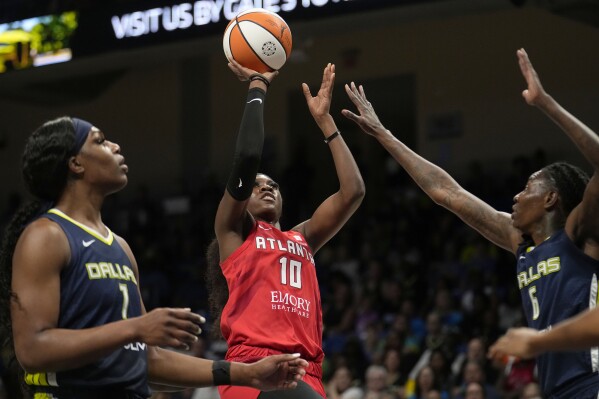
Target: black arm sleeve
{"points": [[248, 149]]}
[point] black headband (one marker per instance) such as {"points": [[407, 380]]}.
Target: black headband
{"points": [[82, 129]]}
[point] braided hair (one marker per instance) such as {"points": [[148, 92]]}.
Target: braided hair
{"points": [[45, 171], [218, 291], [570, 182]]}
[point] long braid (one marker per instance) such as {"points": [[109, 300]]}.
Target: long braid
{"points": [[218, 291], [10, 237], [45, 171]]}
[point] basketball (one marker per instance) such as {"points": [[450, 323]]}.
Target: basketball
{"points": [[258, 39]]}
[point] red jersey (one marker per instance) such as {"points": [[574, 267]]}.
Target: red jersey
{"points": [[274, 299]]}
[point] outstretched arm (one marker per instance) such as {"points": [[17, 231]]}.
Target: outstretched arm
{"points": [[334, 212], [583, 222], [232, 218], [167, 368], [435, 182], [579, 332], [171, 371]]}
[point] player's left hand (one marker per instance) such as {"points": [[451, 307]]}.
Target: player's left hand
{"points": [[534, 93], [320, 104], [277, 372]]}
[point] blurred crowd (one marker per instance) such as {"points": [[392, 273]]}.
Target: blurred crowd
{"points": [[411, 296]]}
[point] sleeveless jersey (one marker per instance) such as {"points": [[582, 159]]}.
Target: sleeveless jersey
{"points": [[274, 299], [97, 287], [557, 281]]}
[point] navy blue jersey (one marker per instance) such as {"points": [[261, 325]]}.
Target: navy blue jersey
{"points": [[97, 287], [557, 281]]}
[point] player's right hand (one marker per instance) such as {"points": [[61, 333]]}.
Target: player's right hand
{"points": [[516, 342], [276, 372], [367, 119], [173, 327], [244, 73]]}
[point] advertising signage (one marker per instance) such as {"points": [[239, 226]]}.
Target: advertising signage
{"points": [[154, 22], [116, 27], [37, 41], [186, 15]]}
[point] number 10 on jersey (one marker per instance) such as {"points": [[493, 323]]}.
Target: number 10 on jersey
{"points": [[291, 272]]}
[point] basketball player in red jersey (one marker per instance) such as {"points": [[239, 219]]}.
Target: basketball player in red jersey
{"points": [[273, 304]]}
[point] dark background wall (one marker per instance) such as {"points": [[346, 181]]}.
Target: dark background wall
{"points": [[444, 77]]}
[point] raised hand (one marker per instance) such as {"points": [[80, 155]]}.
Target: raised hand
{"points": [[367, 119], [244, 73], [535, 93], [516, 342], [174, 327], [320, 104], [277, 372]]}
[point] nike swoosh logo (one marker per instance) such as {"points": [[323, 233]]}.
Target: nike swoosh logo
{"points": [[264, 228], [87, 243], [240, 183], [522, 257], [255, 99]]}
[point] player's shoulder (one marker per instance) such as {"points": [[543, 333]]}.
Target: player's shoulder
{"points": [[43, 241], [42, 229]]}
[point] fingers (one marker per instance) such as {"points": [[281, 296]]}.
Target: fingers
{"points": [[297, 372], [357, 95], [306, 91], [188, 315], [493, 353], [328, 80], [244, 73], [271, 75], [363, 94], [524, 62], [325, 74], [175, 327], [352, 94], [295, 365], [349, 115], [235, 69], [187, 324], [287, 357], [287, 385]]}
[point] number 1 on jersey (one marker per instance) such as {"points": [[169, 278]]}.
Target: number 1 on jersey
{"points": [[294, 271], [125, 291]]}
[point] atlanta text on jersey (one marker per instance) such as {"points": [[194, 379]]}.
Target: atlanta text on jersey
{"points": [[290, 246]]}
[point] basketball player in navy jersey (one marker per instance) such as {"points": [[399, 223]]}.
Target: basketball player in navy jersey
{"points": [[70, 291], [271, 290], [553, 231]]}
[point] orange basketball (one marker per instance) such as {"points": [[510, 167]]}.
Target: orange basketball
{"points": [[258, 39]]}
